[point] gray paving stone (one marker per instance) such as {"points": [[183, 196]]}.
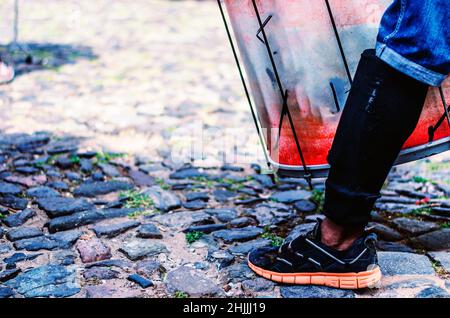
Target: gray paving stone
{"points": [[163, 200], [141, 281], [63, 257], [193, 196], [100, 273], [93, 189], [6, 292], [9, 274], [222, 214], [398, 263], [20, 233], [385, 232], [149, 231], [191, 282], [119, 263], [181, 219], [257, 284], [9, 188], [291, 196], [142, 179], [75, 220], [42, 192], [60, 206], [46, 281], [435, 241], [13, 202], [414, 226], [246, 247], [221, 258], [315, 292], [5, 248], [188, 173], [61, 240], [393, 247], [305, 206], [112, 230], [136, 249], [415, 282], [207, 228], [271, 213], [148, 267], [238, 235], [239, 272], [19, 218], [433, 292]]}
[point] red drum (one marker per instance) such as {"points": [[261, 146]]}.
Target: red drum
{"points": [[299, 57]]}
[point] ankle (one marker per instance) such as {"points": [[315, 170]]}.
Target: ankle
{"points": [[339, 237]]}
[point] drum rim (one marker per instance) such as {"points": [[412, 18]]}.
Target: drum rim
{"points": [[406, 155]]}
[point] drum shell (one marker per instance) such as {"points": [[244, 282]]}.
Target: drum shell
{"points": [[311, 69]]}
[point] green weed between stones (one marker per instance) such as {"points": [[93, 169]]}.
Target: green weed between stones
{"points": [[419, 179], [106, 157], [445, 225], [192, 237], [75, 159], [318, 197], [39, 164], [162, 184], [426, 210], [136, 214], [52, 159], [205, 181], [274, 239], [180, 294], [438, 166], [134, 199], [438, 268], [233, 184]]}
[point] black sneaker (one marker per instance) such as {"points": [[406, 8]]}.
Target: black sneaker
{"points": [[306, 261]]}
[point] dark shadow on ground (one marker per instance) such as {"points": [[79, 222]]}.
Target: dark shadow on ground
{"points": [[30, 57]]}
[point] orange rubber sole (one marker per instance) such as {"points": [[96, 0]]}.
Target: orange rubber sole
{"points": [[368, 279]]}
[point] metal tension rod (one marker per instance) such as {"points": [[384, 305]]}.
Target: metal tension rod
{"points": [[263, 26], [444, 103], [307, 175], [241, 74], [432, 129], [335, 97], [338, 39]]}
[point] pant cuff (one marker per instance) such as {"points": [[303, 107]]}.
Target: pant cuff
{"points": [[348, 207]]}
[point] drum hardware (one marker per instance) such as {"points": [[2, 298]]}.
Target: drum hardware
{"points": [[335, 97], [432, 129], [15, 42], [444, 103], [338, 39], [284, 162], [284, 95], [244, 84]]}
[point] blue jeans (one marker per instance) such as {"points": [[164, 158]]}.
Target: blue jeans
{"points": [[414, 38]]}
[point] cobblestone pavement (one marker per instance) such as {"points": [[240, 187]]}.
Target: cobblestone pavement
{"points": [[78, 218], [127, 76]]}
